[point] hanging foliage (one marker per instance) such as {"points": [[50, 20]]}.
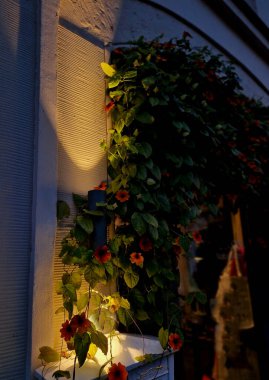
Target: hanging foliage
{"points": [[183, 135]]}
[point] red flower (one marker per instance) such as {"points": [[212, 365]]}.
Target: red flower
{"points": [[102, 254], [252, 166], [122, 195], [145, 244], [253, 180], [232, 144], [118, 51], [136, 258], [80, 323], [102, 186], [110, 106], [200, 64], [175, 341], [197, 237], [117, 372], [211, 76], [67, 331], [209, 96]]}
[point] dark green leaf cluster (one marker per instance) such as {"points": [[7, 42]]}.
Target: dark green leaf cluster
{"points": [[183, 135]]}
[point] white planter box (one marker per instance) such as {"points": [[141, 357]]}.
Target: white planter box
{"points": [[126, 347]]}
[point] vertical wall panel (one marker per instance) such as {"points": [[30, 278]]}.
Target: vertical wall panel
{"points": [[81, 127], [17, 84]]}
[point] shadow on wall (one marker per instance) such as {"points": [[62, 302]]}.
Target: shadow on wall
{"points": [[17, 82]]}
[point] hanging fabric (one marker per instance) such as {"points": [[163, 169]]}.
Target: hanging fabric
{"points": [[233, 314]]}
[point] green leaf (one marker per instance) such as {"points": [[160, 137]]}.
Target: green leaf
{"points": [[147, 358], [201, 297], [107, 69], [94, 212], [124, 303], [188, 160], [79, 200], [131, 278], [144, 148], [145, 118], [164, 202], [153, 232], [132, 170], [82, 344], [96, 300], [148, 81], [138, 223], [152, 267], [100, 340], [106, 321], [63, 210], [137, 297], [119, 125], [71, 291], [141, 315], [150, 219], [129, 116], [154, 101], [109, 267], [76, 279], [141, 172], [59, 310], [156, 172], [85, 223], [184, 242], [163, 337], [114, 82], [103, 366], [150, 182], [83, 301], [182, 127], [125, 316], [117, 93], [48, 354], [68, 305], [151, 296], [58, 374], [158, 280], [91, 276], [130, 74]]}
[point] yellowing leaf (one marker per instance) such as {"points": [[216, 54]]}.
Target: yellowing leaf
{"points": [[48, 354], [92, 351], [107, 69]]}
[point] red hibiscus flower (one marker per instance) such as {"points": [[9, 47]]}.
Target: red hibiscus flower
{"points": [[209, 96], [175, 341], [211, 76], [197, 237], [145, 244], [122, 195], [80, 323], [110, 106], [200, 64], [102, 186], [67, 331], [102, 254], [117, 372], [118, 51], [136, 258]]}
